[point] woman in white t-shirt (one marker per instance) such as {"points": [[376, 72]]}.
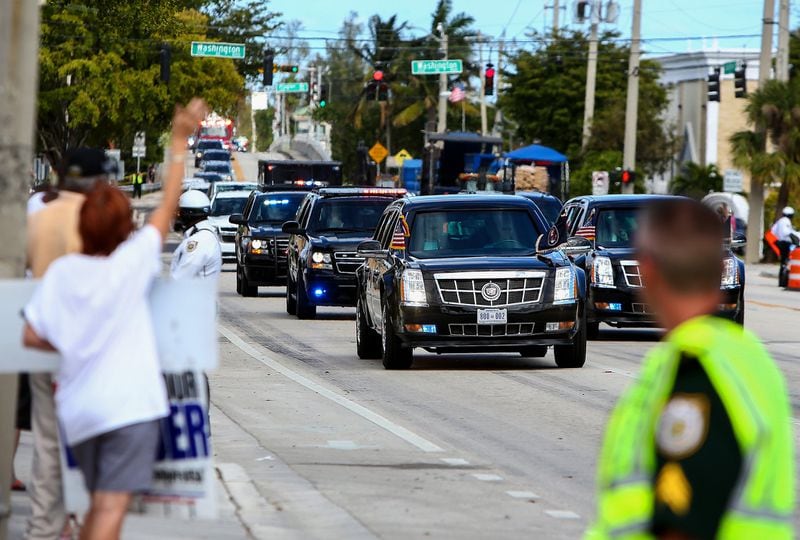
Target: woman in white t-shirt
{"points": [[92, 308]]}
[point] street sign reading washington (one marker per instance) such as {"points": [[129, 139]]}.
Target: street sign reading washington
{"points": [[217, 50], [434, 67], [287, 88]]}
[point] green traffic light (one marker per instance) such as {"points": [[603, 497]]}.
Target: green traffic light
{"points": [[294, 69], [323, 103]]}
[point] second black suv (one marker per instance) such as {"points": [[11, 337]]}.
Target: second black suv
{"points": [[469, 273], [260, 244], [322, 257]]}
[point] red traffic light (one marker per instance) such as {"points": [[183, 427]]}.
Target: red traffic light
{"points": [[627, 176], [377, 75], [490, 72]]}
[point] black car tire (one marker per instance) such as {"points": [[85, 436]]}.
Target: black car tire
{"points": [[395, 356], [593, 330], [573, 355], [238, 280], [247, 290], [368, 341], [533, 351], [304, 309], [291, 298]]}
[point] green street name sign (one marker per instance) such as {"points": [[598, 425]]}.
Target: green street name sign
{"points": [[434, 67], [217, 50], [293, 87], [729, 67]]}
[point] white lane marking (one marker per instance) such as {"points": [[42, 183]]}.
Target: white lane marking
{"points": [[522, 494], [487, 477], [265, 458], [455, 461], [562, 514], [399, 431]]}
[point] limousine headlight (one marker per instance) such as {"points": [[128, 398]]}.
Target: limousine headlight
{"points": [[412, 288], [602, 272], [565, 286]]}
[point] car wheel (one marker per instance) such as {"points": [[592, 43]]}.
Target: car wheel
{"points": [[593, 330], [534, 351], [248, 291], [574, 354], [238, 279], [368, 342], [291, 299], [304, 309], [395, 356]]}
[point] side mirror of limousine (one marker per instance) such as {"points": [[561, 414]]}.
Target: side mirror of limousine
{"points": [[372, 249], [576, 245], [292, 227]]}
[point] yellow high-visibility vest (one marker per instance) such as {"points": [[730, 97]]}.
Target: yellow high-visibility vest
{"points": [[753, 393]]}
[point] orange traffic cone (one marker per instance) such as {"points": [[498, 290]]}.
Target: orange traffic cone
{"points": [[794, 270]]}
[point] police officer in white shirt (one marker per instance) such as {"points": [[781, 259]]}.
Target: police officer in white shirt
{"points": [[785, 236], [199, 255]]}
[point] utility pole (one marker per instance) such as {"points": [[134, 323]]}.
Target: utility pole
{"points": [[632, 101], [556, 9], [484, 122], [498, 74], [755, 216], [591, 76], [19, 66], [782, 61], [254, 138], [441, 125]]}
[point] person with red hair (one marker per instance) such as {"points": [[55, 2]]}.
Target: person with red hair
{"points": [[92, 308]]}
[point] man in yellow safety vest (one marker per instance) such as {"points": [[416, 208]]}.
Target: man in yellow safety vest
{"points": [[138, 180], [701, 446]]}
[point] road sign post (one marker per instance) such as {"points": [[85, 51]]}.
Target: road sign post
{"points": [[436, 67], [218, 50], [291, 88]]}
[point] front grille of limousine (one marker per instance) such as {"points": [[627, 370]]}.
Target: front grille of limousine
{"points": [[465, 288], [630, 270], [491, 330], [347, 262]]}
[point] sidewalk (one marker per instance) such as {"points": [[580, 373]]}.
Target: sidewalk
{"points": [[226, 527]]}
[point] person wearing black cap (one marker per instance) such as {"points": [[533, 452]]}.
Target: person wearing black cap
{"points": [[52, 233]]}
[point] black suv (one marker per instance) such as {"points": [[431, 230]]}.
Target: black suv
{"points": [[610, 222], [469, 273], [322, 257], [202, 146], [260, 244]]}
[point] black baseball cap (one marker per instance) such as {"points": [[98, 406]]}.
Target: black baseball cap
{"points": [[86, 162]]}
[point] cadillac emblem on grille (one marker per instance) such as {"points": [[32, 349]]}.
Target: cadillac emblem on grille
{"points": [[491, 292]]}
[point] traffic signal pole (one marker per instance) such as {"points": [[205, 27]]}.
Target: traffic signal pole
{"points": [[782, 60], [441, 125], [19, 42], [591, 76], [632, 101]]}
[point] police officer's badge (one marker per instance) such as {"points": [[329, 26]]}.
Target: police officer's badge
{"points": [[683, 425], [191, 245]]}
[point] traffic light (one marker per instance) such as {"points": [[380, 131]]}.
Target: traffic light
{"points": [[628, 177], [285, 68], [488, 80], [323, 95], [269, 68], [740, 82], [165, 58], [377, 88], [713, 86], [583, 10]]}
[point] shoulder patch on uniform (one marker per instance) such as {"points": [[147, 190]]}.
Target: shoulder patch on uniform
{"points": [[674, 489], [683, 425], [191, 245]]}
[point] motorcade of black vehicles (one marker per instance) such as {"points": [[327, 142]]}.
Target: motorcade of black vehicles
{"points": [[322, 258], [469, 274], [313, 173], [205, 144], [260, 243], [609, 222], [549, 205], [222, 168]]}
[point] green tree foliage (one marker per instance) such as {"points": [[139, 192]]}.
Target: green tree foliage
{"points": [[99, 71], [696, 181], [545, 100]]}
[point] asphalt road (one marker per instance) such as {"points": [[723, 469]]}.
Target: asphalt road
{"points": [[460, 446]]}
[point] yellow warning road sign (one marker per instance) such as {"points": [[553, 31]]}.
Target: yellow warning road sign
{"points": [[401, 156], [378, 152]]}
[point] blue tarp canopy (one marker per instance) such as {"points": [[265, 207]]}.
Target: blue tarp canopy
{"points": [[541, 155]]}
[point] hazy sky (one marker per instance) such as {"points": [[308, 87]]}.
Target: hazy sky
{"points": [[680, 19]]}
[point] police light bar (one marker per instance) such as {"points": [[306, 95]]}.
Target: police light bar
{"points": [[363, 191]]}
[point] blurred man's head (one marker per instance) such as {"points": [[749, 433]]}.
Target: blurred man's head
{"points": [[105, 220], [82, 168], [679, 245]]}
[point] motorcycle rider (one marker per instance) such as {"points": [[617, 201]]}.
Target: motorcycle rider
{"points": [[786, 238]]}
